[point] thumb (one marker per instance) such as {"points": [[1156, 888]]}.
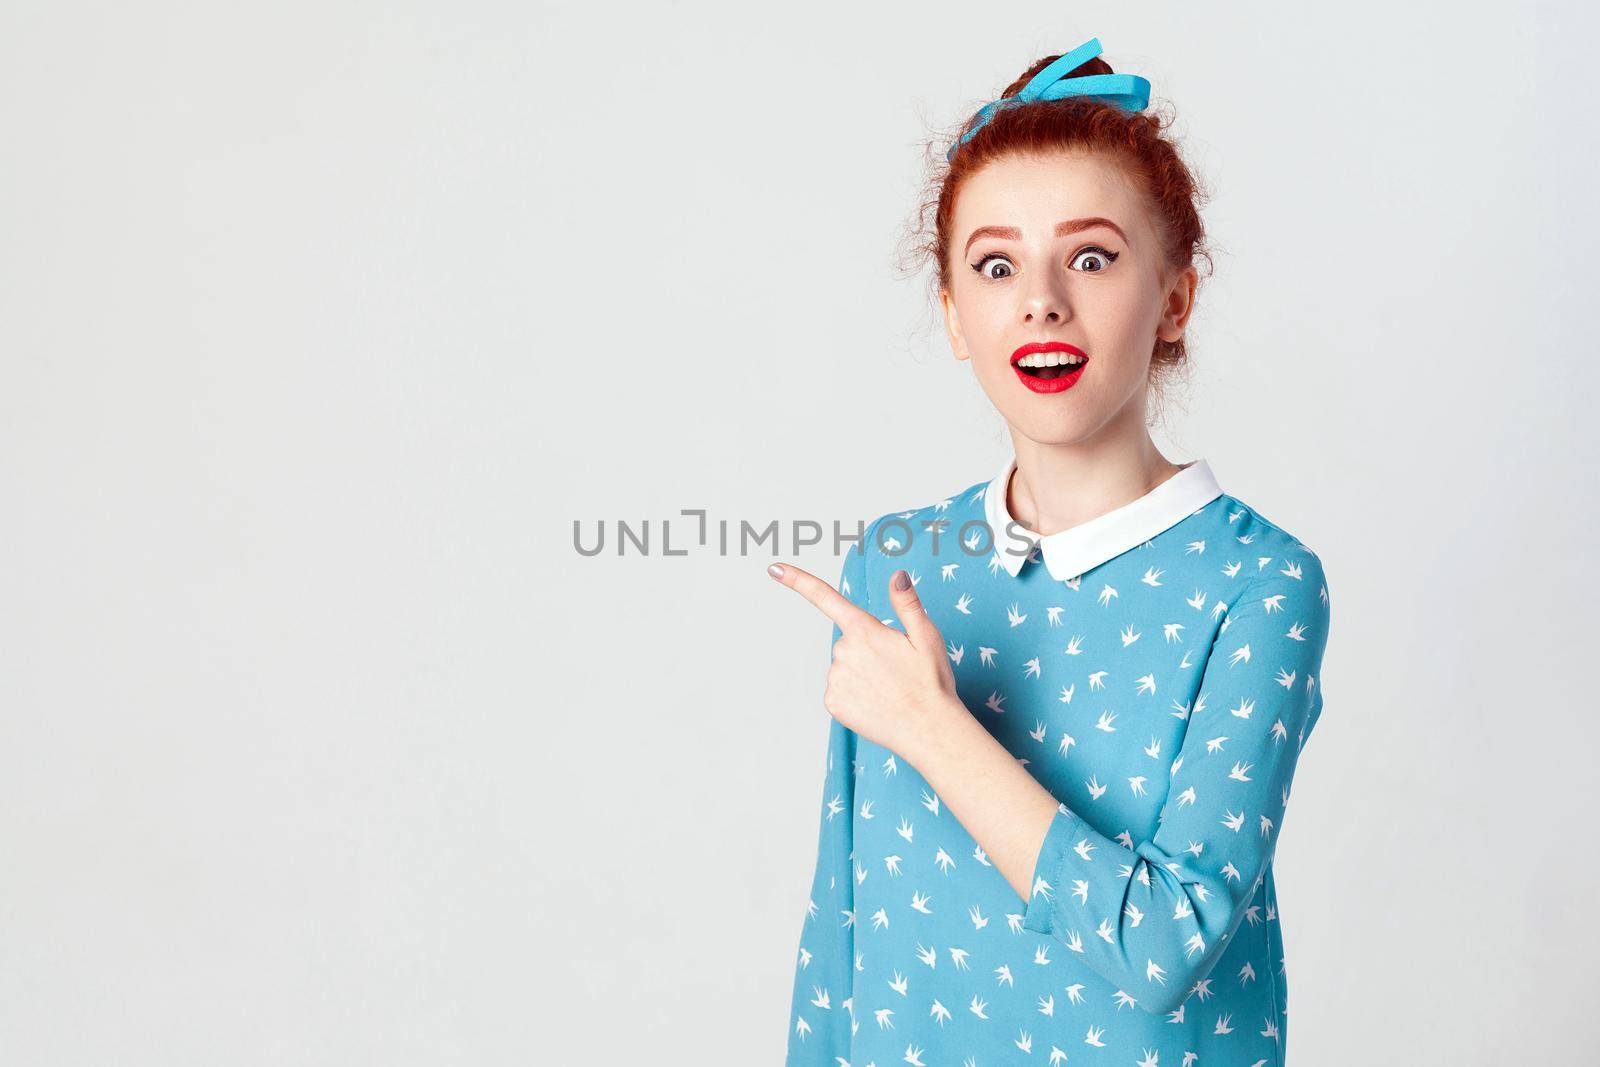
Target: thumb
{"points": [[908, 607]]}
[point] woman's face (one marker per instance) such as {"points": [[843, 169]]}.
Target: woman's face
{"points": [[1061, 250]]}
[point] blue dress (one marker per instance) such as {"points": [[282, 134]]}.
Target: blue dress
{"points": [[1156, 669]]}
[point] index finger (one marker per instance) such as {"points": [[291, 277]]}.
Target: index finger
{"points": [[828, 600]]}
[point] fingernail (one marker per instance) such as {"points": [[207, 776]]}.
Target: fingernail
{"points": [[902, 581], [775, 570]]}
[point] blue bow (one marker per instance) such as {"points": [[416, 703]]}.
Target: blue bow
{"points": [[1127, 91]]}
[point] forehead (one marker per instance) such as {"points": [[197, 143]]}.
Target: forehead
{"points": [[1034, 192]]}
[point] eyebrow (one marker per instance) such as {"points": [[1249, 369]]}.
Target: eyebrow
{"points": [[1063, 229]]}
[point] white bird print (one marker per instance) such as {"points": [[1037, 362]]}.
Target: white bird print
{"points": [[801, 1027], [1031, 668], [994, 702], [1153, 749], [1186, 798], [1154, 972], [1137, 784], [1234, 821], [914, 1056], [899, 983], [1097, 680], [1247, 973], [1231, 873], [977, 1006], [1198, 601], [1047, 1005], [964, 603], [927, 955], [986, 655], [1084, 847], [1075, 993], [1266, 826], [1244, 709], [905, 829], [1215, 744], [1129, 636], [1232, 569], [1067, 741], [1147, 684], [976, 915], [1152, 576], [1279, 733], [861, 874], [1194, 849], [1173, 632], [835, 806], [942, 860], [1074, 646], [1014, 921], [958, 957], [1240, 655], [948, 571], [890, 767], [1107, 595], [1080, 889], [929, 801], [919, 901], [1053, 615], [892, 864], [1195, 548], [1271, 1031], [1238, 773], [1075, 942], [973, 542], [1002, 974], [1185, 663], [940, 1012], [885, 1017], [1094, 1037], [1106, 719], [1056, 1056], [1195, 944], [1149, 1060], [1096, 790], [1024, 1041], [1222, 1024], [977, 854], [1297, 632], [1123, 1000], [1066, 693], [1272, 603], [1107, 932], [1042, 888], [955, 653], [820, 997], [1285, 678], [1180, 710], [1202, 989], [1041, 955], [1291, 570], [880, 919], [1127, 843], [1135, 916], [1015, 616]]}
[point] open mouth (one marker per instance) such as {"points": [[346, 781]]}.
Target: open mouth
{"points": [[1049, 372], [1050, 366]]}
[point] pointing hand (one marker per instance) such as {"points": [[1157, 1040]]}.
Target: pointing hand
{"points": [[892, 688]]}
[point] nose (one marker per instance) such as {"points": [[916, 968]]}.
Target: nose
{"points": [[1045, 302]]}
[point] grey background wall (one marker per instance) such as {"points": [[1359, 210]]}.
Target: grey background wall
{"points": [[320, 324]]}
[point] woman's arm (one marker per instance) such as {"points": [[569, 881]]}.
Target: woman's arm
{"points": [[1154, 920]]}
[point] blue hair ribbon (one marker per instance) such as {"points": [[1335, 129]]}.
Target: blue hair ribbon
{"points": [[1127, 91]]}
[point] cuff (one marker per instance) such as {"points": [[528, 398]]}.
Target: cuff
{"points": [[1049, 869]]}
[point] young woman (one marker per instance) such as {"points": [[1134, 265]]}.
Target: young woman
{"points": [[1066, 702]]}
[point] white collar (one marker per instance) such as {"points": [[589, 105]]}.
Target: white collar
{"points": [[1069, 553]]}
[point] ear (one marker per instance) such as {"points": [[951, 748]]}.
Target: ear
{"points": [[1179, 305], [952, 325]]}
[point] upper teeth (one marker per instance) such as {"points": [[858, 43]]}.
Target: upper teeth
{"points": [[1049, 359]]}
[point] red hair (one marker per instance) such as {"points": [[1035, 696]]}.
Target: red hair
{"points": [[1135, 141]]}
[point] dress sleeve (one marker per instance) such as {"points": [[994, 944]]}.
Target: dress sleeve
{"points": [[822, 1016], [1154, 921]]}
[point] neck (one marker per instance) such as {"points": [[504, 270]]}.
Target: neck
{"points": [[1056, 487]]}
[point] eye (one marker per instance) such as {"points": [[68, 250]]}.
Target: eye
{"points": [[1104, 257], [982, 268]]}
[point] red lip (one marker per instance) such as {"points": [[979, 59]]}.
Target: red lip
{"points": [[1050, 385]]}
